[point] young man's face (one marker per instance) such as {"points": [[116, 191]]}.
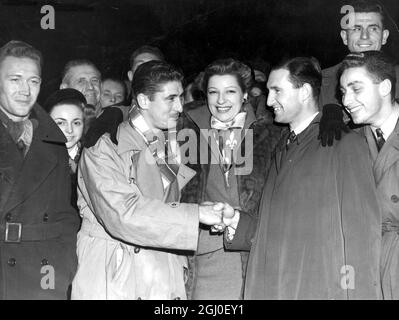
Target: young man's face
{"points": [[366, 34], [361, 96], [87, 80], [19, 86], [283, 97], [163, 110]]}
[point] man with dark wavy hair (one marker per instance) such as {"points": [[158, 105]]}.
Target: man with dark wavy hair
{"points": [[368, 87]]}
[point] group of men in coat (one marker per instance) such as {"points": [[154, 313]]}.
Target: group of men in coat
{"points": [[328, 223]]}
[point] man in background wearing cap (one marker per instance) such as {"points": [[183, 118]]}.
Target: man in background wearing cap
{"points": [[38, 225]]}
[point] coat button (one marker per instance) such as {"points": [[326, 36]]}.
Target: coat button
{"points": [[174, 204], [8, 217], [44, 262], [136, 250], [45, 217], [394, 198], [12, 262]]}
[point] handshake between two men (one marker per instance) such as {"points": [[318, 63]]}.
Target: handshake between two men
{"points": [[219, 215]]}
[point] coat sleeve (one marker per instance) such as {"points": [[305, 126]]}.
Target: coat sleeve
{"points": [[124, 212], [244, 234], [360, 219]]}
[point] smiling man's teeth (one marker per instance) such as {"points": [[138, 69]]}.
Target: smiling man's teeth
{"points": [[276, 109]]}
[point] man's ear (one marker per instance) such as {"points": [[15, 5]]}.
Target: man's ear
{"points": [[143, 101], [385, 35], [385, 87], [306, 91], [63, 85], [130, 75], [344, 37]]}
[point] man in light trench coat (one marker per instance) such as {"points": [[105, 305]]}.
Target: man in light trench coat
{"points": [[135, 234]]}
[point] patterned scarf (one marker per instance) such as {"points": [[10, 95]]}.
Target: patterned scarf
{"points": [[21, 132]]}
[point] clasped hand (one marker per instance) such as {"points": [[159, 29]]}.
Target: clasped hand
{"points": [[216, 214]]}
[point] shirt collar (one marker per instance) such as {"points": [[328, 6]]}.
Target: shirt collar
{"points": [[389, 124], [304, 124]]}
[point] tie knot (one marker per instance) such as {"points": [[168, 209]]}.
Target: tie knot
{"points": [[379, 133], [292, 137]]}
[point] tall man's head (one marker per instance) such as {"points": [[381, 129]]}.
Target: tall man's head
{"points": [[294, 89], [158, 90], [368, 82], [83, 76], [142, 55], [20, 70], [365, 30]]}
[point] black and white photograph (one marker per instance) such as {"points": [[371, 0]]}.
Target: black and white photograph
{"points": [[212, 151]]}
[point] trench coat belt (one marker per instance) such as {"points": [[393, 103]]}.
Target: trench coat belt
{"points": [[390, 226], [37, 232]]}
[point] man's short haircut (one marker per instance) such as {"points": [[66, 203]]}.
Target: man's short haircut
{"points": [[367, 6], [378, 65], [20, 49], [75, 63], [146, 49], [151, 75], [303, 70], [228, 66]]}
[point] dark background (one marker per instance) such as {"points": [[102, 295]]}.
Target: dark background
{"points": [[191, 33]]}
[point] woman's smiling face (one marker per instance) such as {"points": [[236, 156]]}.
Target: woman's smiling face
{"points": [[225, 97]]}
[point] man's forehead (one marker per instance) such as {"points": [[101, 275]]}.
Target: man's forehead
{"points": [[368, 18], [277, 76], [356, 74], [144, 57], [83, 70], [12, 64], [171, 88]]}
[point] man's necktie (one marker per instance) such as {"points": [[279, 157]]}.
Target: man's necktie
{"points": [[291, 137], [379, 139]]}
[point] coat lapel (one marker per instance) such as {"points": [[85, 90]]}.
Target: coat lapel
{"points": [[39, 162], [10, 163], [388, 155]]}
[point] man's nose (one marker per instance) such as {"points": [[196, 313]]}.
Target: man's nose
{"points": [[364, 34], [113, 99], [89, 85], [24, 88], [179, 105], [270, 99], [346, 99]]}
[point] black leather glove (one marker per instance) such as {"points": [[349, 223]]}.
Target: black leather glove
{"points": [[107, 122], [331, 124]]}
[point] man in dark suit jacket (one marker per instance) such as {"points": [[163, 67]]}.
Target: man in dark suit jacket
{"points": [[38, 226]]}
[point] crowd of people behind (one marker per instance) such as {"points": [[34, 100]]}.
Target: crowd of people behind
{"points": [[291, 190]]}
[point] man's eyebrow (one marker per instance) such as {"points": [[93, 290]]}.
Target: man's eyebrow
{"points": [[350, 84], [274, 88]]}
